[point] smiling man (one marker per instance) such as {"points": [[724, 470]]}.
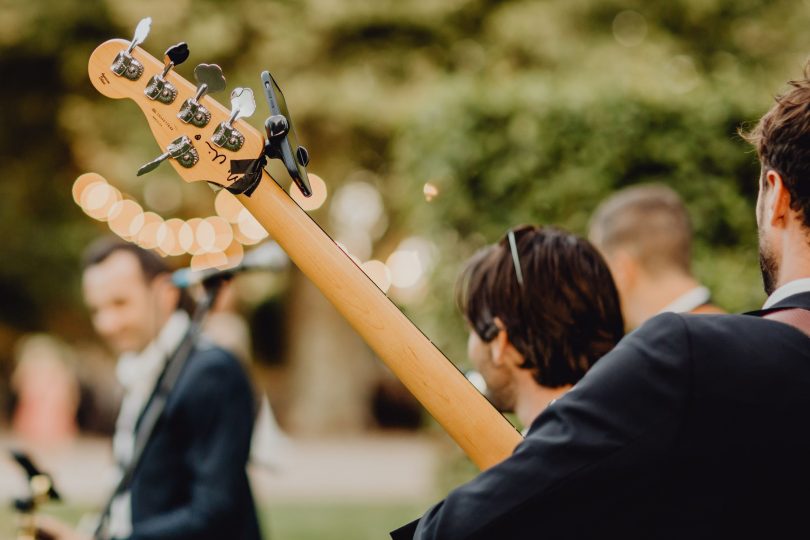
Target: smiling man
{"points": [[190, 482]]}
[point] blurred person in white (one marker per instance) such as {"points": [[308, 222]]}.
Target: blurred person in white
{"points": [[645, 235], [190, 481], [46, 389]]}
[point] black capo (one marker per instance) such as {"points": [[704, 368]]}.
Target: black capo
{"points": [[281, 143]]}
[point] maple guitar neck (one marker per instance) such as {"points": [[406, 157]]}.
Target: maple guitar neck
{"points": [[481, 431]]}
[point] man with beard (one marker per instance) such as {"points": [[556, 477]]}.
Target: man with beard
{"points": [[694, 425], [542, 308]]}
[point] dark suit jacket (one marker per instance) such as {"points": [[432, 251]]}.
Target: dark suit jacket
{"points": [[191, 481], [694, 426]]}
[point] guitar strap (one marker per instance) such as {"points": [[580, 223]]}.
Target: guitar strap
{"points": [[795, 317], [149, 419]]}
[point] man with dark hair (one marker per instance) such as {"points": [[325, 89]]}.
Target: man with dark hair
{"points": [[692, 427], [190, 481], [542, 308], [645, 235]]}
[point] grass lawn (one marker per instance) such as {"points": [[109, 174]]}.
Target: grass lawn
{"points": [[339, 521], [300, 521]]}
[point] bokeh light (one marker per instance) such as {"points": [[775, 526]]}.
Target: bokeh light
{"points": [[188, 238], [430, 191], [356, 205], [82, 183], [227, 206], [98, 198], [406, 269], [123, 219], [148, 234], [629, 28], [379, 273], [169, 237], [224, 233], [251, 231], [314, 201]]}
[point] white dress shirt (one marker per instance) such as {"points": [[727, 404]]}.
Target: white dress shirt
{"points": [[788, 289], [138, 374], [688, 301]]}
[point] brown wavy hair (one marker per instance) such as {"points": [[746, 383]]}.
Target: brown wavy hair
{"points": [[782, 140], [565, 314]]}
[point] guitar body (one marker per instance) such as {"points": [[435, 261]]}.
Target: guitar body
{"points": [[483, 433]]}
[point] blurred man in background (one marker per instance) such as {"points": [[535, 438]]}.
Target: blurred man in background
{"points": [[645, 234], [190, 481], [542, 308]]}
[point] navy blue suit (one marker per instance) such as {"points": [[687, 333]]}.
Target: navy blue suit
{"points": [[694, 426], [191, 481]]}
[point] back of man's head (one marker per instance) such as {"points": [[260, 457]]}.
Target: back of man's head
{"points": [[651, 223], [561, 311], [782, 140]]}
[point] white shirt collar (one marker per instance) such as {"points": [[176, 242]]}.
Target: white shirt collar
{"points": [[133, 367], [688, 301], [788, 289], [138, 374]]}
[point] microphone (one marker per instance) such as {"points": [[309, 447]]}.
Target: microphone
{"points": [[268, 257]]}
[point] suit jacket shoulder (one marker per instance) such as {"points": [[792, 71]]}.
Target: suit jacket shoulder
{"points": [[684, 430], [191, 481], [210, 373]]}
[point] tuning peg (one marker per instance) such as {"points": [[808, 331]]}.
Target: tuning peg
{"points": [[209, 79], [180, 149], [125, 65], [158, 87], [242, 106], [175, 56]]}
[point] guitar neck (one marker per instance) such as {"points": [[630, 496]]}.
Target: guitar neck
{"points": [[481, 431]]}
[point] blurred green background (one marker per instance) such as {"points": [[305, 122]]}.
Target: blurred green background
{"points": [[515, 111], [464, 116]]}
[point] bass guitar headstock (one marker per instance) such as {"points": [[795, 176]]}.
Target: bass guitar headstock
{"points": [[199, 137]]}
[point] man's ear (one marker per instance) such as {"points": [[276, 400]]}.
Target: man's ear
{"points": [[624, 268], [777, 199], [500, 343]]}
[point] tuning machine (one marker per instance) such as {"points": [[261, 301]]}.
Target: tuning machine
{"points": [[180, 149], [242, 106], [125, 65], [158, 87], [209, 78]]}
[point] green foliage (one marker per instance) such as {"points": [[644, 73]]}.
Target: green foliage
{"points": [[520, 152], [518, 111]]}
